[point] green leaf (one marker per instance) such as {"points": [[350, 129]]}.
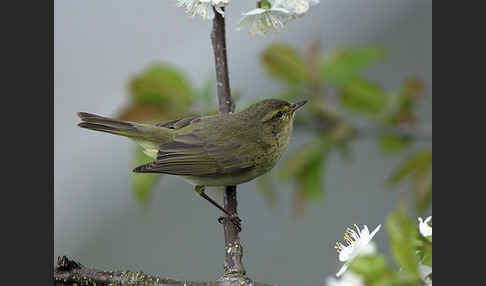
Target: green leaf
{"points": [[391, 143], [162, 85], [401, 278], [371, 267], [415, 163], [311, 179], [345, 65], [423, 246], [402, 234], [306, 166], [363, 96], [143, 184], [427, 257], [300, 160], [284, 63]]}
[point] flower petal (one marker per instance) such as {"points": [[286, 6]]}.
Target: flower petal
{"points": [[255, 11], [375, 231], [365, 232], [424, 228], [342, 270], [345, 253], [348, 279], [364, 249], [282, 10]]}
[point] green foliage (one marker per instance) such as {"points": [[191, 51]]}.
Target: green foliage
{"points": [[371, 267], [162, 85], [418, 166], [398, 279], [423, 249], [299, 161], [390, 144], [311, 181], [427, 254], [307, 167], [363, 96], [347, 64], [405, 100], [143, 184], [414, 164], [402, 234], [375, 270], [284, 63]]}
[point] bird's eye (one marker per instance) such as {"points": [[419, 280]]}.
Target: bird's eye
{"points": [[279, 114]]}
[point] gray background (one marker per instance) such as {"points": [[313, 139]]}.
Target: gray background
{"points": [[99, 45]]}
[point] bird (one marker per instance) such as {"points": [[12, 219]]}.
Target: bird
{"points": [[213, 150]]}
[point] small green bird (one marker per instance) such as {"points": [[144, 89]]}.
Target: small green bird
{"points": [[216, 150]]}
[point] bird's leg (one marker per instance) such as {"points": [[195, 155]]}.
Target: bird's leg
{"points": [[234, 218]]}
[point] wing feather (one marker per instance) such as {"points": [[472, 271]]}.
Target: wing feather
{"points": [[189, 155], [177, 123]]}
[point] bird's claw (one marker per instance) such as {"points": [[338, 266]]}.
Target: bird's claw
{"points": [[234, 219]]}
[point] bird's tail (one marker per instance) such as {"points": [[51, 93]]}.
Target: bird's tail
{"points": [[133, 130]]}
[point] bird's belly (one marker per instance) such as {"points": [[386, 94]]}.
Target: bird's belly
{"points": [[225, 180]]}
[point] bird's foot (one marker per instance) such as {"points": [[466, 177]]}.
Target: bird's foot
{"points": [[233, 218]]}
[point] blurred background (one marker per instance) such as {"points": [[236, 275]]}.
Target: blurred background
{"points": [[366, 66]]}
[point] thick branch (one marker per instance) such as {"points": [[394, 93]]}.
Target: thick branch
{"points": [[233, 265], [69, 272]]}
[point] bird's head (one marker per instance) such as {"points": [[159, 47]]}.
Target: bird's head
{"points": [[274, 115]]}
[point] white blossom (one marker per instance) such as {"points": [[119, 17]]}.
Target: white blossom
{"points": [[424, 228], [262, 21], [297, 7], [356, 243], [348, 279], [202, 7]]}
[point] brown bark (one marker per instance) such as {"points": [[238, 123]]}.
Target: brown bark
{"points": [[69, 272], [233, 265]]}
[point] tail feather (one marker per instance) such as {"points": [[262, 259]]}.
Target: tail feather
{"points": [[104, 124], [136, 131]]}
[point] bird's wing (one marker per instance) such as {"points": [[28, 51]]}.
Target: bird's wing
{"points": [[189, 155], [177, 123]]}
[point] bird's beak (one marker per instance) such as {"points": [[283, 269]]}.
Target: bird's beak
{"points": [[298, 105]]}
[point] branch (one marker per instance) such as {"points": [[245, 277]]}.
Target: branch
{"points": [[218, 39], [69, 272], [233, 266]]}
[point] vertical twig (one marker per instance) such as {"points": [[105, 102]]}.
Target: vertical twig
{"points": [[233, 265], [218, 39]]}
